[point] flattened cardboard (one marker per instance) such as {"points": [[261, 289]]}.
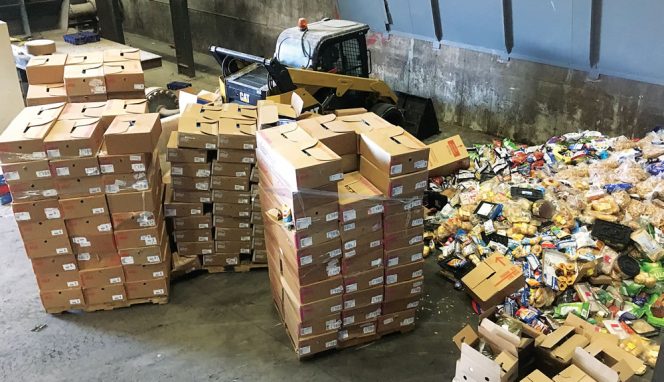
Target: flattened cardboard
{"points": [[124, 76], [447, 156], [74, 167], [74, 139], [43, 94], [134, 133], [402, 186], [47, 69], [26, 171], [394, 151], [36, 211], [23, 139], [85, 80], [492, 280]]}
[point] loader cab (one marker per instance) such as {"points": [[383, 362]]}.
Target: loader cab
{"points": [[332, 46]]}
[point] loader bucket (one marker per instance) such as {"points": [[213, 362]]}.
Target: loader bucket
{"points": [[419, 114]]}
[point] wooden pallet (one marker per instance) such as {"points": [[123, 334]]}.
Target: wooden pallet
{"points": [[240, 268], [104, 307]]}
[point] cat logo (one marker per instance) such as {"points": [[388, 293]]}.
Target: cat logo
{"points": [[244, 97]]}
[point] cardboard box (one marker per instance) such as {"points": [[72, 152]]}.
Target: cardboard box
{"points": [[362, 262], [403, 221], [36, 211], [34, 230], [47, 69], [232, 210], [74, 139], [336, 135], [492, 280], [312, 344], [604, 350], [192, 170], [75, 167], [241, 247], [125, 76], [184, 155], [131, 134], [195, 248], [192, 222], [58, 281], [355, 332], [297, 158], [403, 256], [363, 280], [401, 186], [95, 278], [312, 310], [87, 98], [89, 225], [52, 246], [85, 80], [199, 235], [85, 58], [26, 171], [573, 374], [147, 255], [233, 197], [237, 133], [402, 239], [183, 183], [396, 322], [44, 94], [135, 220], [236, 156], [189, 196], [350, 317], [124, 163], [229, 183], [237, 234], [310, 274], [447, 156], [407, 303], [84, 110], [363, 298], [350, 163], [147, 289], [121, 55], [555, 350], [33, 190], [400, 205], [360, 228], [312, 327], [367, 243], [197, 132], [473, 366], [97, 243], [180, 209], [138, 181], [79, 187], [331, 286], [54, 264], [23, 139], [403, 290], [394, 151], [145, 272], [114, 295], [88, 260], [358, 198], [320, 254], [61, 300], [221, 260], [136, 238], [148, 200], [404, 272], [115, 107], [231, 169], [536, 376], [259, 256]]}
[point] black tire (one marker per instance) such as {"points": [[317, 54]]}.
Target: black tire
{"points": [[388, 112]]}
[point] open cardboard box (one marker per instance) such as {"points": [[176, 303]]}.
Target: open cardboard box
{"points": [[555, 350], [586, 368], [492, 280]]}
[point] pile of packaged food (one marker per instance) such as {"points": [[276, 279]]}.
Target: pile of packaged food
{"points": [[572, 226]]}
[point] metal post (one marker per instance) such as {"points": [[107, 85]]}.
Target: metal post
{"points": [[24, 19], [184, 51], [110, 17]]}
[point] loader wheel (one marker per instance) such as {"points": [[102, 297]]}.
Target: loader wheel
{"points": [[388, 112]]}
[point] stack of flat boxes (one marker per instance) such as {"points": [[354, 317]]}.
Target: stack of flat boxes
{"points": [[49, 153]]}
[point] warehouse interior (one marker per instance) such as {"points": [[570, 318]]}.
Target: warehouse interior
{"points": [[552, 98]]}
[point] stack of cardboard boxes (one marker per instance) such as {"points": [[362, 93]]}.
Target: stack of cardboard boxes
{"points": [[85, 77], [212, 206], [51, 158]]}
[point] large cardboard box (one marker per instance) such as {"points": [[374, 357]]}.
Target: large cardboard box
{"points": [[447, 156], [125, 76], [61, 300], [74, 139], [492, 280], [123, 163], [148, 200], [363, 298], [395, 322], [231, 169], [74, 167], [85, 80], [403, 239], [136, 220], [33, 190], [23, 139], [401, 186], [358, 198], [304, 217], [147, 289], [237, 134], [197, 132], [136, 238], [33, 231], [58, 281], [79, 187], [394, 151], [45, 93], [320, 290], [54, 264], [36, 211], [236, 156], [363, 280], [403, 256], [403, 221], [335, 134], [134, 133], [95, 278], [46, 69], [241, 247], [200, 235], [26, 171], [113, 295]]}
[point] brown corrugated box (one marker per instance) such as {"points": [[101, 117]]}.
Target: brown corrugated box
{"points": [[363, 280], [236, 156], [403, 221], [398, 321], [52, 246], [366, 243], [229, 183], [58, 281], [149, 200], [401, 186], [360, 314], [97, 260], [193, 222], [242, 247], [175, 154], [85, 58], [335, 134], [492, 280], [189, 196], [199, 235], [398, 305], [26, 171], [403, 256], [136, 220], [232, 210], [130, 134], [403, 290], [402, 239], [197, 132], [447, 156], [47, 69], [34, 190], [147, 289], [363, 261], [147, 255], [404, 272], [120, 55], [190, 184], [85, 80], [231, 169], [358, 198], [192, 170], [317, 254], [99, 277], [23, 139], [97, 243], [195, 248], [124, 76], [54, 264], [60, 300], [74, 139], [363, 298], [221, 259], [79, 187], [37, 210], [114, 295], [236, 197], [43, 94], [123, 163], [74, 167], [394, 151], [34, 230]]}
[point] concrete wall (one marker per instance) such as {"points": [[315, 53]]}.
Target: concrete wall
{"points": [[519, 99]]}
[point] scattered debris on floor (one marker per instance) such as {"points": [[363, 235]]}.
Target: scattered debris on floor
{"points": [[39, 328]]}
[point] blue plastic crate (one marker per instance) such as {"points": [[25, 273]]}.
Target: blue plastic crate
{"points": [[81, 38], [5, 198]]}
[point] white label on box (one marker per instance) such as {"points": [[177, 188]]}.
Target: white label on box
{"points": [[303, 223], [349, 320], [351, 287], [413, 304], [416, 257], [421, 184], [306, 331], [349, 254], [335, 308], [376, 262], [117, 297], [75, 301], [106, 227], [199, 159], [332, 234], [52, 213], [305, 260], [369, 329], [378, 208], [244, 214], [12, 175], [206, 251], [330, 344], [336, 290], [106, 168], [201, 173], [112, 189], [135, 158], [231, 261], [391, 279], [61, 251], [115, 280], [374, 244], [245, 238], [349, 304], [141, 185], [50, 192], [349, 215], [69, 267], [243, 201], [95, 190], [343, 334], [376, 281], [238, 187], [304, 350], [169, 212], [393, 261], [336, 177], [38, 155], [415, 240], [85, 152], [139, 86], [413, 204], [240, 173], [417, 222], [396, 169], [349, 226], [98, 210], [205, 200], [333, 271], [335, 253], [72, 284], [388, 321], [53, 153], [194, 211], [147, 223], [417, 284], [373, 314], [332, 216], [83, 257], [350, 244], [78, 240], [421, 164], [203, 225], [57, 232], [398, 190], [176, 171], [43, 174], [91, 171], [332, 324], [408, 321], [248, 146], [138, 167], [98, 89], [202, 186], [21, 216], [306, 242], [203, 238], [62, 171], [158, 292], [417, 273], [245, 251], [127, 260], [416, 290], [150, 241], [153, 259], [377, 299]]}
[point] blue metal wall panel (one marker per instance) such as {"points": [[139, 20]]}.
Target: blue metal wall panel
{"points": [[631, 41], [412, 18], [555, 32], [370, 12], [476, 24]]}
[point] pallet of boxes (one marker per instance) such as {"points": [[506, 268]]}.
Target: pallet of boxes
{"points": [[87, 199], [85, 77], [210, 202], [344, 246]]}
